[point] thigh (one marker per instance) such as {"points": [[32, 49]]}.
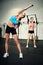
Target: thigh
{"points": [[29, 35], [7, 37], [7, 33], [15, 37], [8, 29], [13, 31], [33, 35]]}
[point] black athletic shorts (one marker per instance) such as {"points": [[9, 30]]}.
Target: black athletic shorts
{"points": [[31, 31], [10, 30]]}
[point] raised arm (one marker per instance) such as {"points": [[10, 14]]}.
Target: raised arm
{"points": [[25, 9]]}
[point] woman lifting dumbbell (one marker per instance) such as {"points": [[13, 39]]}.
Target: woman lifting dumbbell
{"points": [[31, 33]]}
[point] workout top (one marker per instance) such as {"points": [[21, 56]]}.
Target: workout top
{"points": [[13, 20]]}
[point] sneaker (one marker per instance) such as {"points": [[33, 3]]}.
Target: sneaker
{"points": [[35, 46], [6, 55], [26, 46], [20, 55]]}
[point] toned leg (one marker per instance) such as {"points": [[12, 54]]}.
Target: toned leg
{"points": [[28, 40], [6, 42], [6, 45], [17, 43], [34, 39]]}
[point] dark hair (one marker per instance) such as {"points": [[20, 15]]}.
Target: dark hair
{"points": [[20, 18]]}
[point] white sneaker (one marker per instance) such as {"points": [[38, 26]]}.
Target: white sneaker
{"points": [[6, 55], [26, 46], [35, 46], [20, 55]]}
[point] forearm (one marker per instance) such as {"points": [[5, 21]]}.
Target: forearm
{"points": [[25, 9], [28, 7]]}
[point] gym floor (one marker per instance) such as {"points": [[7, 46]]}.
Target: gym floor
{"points": [[31, 55]]}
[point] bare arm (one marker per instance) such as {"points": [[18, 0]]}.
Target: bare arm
{"points": [[34, 24], [24, 9]]}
